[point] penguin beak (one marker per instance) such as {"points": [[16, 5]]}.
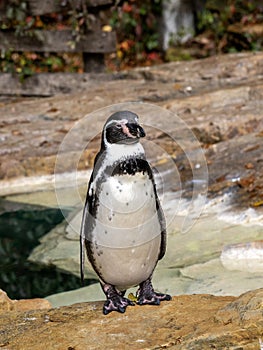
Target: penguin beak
{"points": [[135, 130]]}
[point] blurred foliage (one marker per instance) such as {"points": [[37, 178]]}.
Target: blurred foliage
{"points": [[232, 25], [28, 63], [17, 18], [222, 26], [137, 26], [20, 232]]}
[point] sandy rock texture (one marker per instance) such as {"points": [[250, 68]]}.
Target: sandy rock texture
{"points": [[7, 304], [187, 322]]}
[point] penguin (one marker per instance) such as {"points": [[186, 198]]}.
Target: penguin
{"points": [[123, 226]]}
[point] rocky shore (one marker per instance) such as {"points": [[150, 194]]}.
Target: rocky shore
{"points": [[187, 322]]}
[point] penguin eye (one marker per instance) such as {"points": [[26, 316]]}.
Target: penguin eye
{"points": [[118, 126]]}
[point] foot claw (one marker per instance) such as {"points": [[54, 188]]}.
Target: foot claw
{"points": [[147, 295], [153, 299], [148, 301], [116, 303]]}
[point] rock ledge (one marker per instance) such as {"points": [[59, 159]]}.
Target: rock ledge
{"points": [[187, 322]]}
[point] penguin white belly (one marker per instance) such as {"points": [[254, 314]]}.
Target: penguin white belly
{"points": [[127, 235]]}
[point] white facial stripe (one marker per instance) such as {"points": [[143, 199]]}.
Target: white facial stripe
{"points": [[114, 121], [122, 121]]}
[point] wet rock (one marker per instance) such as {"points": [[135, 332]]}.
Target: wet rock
{"points": [[243, 256], [191, 263], [6, 304], [165, 280], [186, 322], [90, 293], [211, 277], [57, 250]]}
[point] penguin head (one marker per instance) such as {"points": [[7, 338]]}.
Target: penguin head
{"points": [[122, 128]]}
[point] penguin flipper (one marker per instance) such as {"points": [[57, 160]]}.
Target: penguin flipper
{"points": [[163, 232], [84, 230], [83, 234], [160, 214], [90, 205], [82, 246], [82, 256]]}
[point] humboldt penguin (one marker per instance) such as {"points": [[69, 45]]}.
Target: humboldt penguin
{"points": [[123, 226]]}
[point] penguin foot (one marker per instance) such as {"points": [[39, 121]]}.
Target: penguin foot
{"points": [[115, 300], [147, 295]]}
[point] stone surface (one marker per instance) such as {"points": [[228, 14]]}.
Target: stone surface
{"points": [[220, 99], [191, 263], [6, 304], [213, 278], [187, 322], [208, 277], [243, 256]]}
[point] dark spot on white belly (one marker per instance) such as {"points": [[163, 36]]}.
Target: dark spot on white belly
{"points": [[100, 252]]}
